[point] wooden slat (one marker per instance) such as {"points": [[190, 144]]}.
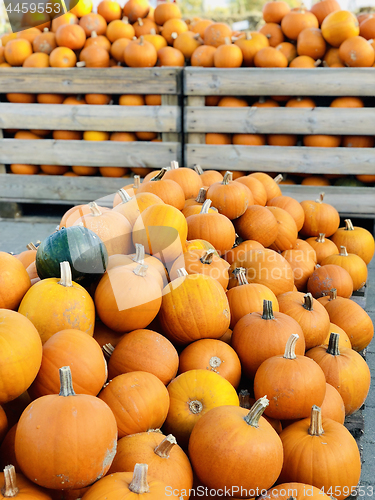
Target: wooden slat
{"points": [[91, 80], [277, 81], [347, 200], [58, 189], [251, 120], [173, 135], [192, 136], [89, 153], [283, 159], [108, 118]]}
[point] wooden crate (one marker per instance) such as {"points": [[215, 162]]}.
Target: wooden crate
{"points": [[199, 120], [164, 119]]}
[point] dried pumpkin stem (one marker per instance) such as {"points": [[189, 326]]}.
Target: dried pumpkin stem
{"points": [[198, 169], [139, 482], [31, 246], [141, 40], [141, 270], [201, 195], [278, 178], [195, 406], [139, 253], [108, 350], [124, 195], [290, 348], [205, 207], [152, 31], [182, 272], [208, 257], [66, 274], [163, 449], [137, 181], [316, 428], [321, 198], [321, 238], [267, 310], [333, 344], [256, 411], [214, 363], [66, 383], [244, 398], [248, 35], [10, 484], [94, 209], [227, 178], [160, 175], [343, 251], [332, 294], [240, 274], [140, 22], [349, 225], [174, 165], [94, 34], [308, 301]]}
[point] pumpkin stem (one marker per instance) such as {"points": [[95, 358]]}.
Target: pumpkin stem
{"points": [[182, 272], [214, 363], [240, 274], [94, 34], [205, 207], [256, 411], [160, 175], [208, 256], [244, 398], [94, 209], [66, 383], [343, 251], [10, 484], [152, 31], [31, 246], [137, 181], [316, 428], [290, 348], [317, 63], [141, 40], [248, 35], [139, 482], [195, 407], [332, 294], [321, 198], [174, 35], [278, 178], [321, 238], [198, 169], [45, 30], [201, 195], [267, 310], [333, 344], [308, 299], [140, 22], [349, 225], [124, 195], [174, 165], [141, 270], [227, 41], [163, 449], [125, 20], [108, 350], [66, 274], [227, 178], [139, 253]]}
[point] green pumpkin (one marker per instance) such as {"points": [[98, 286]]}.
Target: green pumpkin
{"points": [[81, 247], [349, 181]]}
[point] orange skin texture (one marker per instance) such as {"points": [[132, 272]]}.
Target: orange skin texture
{"points": [[319, 218], [14, 281], [207, 387], [133, 9], [333, 406], [339, 26], [322, 249], [85, 358], [303, 267], [259, 224], [144, 350], [26, 489], [234, 253], [139, 401], [327, 277], [185, 317], [344, 340], [230, 199], [7, 453], [52, 427], [198, 355], [214, 228], [273, 33], [287, 230], [3, 424], [273, 12], [291, 206], [256, 187], [315, 324], [139, 448], [216, 460], [138, 204], [52, 307], [355, 266], [256, 339], [188, 179], [300, 491], [359, 241], [155, 267], [167, 190], [272, 188], [75, 213], [203, 56]]}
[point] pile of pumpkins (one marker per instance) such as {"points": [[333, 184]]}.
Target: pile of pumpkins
{"points": [[197, 335]]}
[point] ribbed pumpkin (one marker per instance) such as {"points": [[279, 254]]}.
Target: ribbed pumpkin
{"points": [[339, 26], [346, 370], [139, 401], [270, 185], [357, 240], [322, 246], [208, 177], [140, 54], [215, 34], [166, 460], [250, 45], [357, 52], [185, 318], [17, 485], [352, 263], [192, 395], [303, 444], [14, 281], [259, 336], [287, 229], [187, 178], [273, 12], [320, 217], [291, 206], [57, 304], [269, 57], [292, 383], [168, 190], [70, 459], [135, 9], [229, 197], [309, 314], [259, 224], [344, 340], [303, 267]]}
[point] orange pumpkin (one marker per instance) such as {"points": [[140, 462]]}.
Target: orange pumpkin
{"points": [[322, 246], [18, 485], [274, 34], [287, 233], [166, 11], [256, 187], [347, 102], [172, 28], [274, 12], [322, 8], [357, 240], [135, 9], [118, 48], [302, 265], [110, 10], [208, 177], [167, 189], [310, 42], [203, 56], [119, 29], [140, 53], [357, 52], [14, 281], [93, 22], [94, 56], [236, 252], [328, 277], [228, 55], [62, 57], [300, 102], [72, 36], [296, 21], [101, 41], [216, 33], [23, 169], [320, 217], [352, 263], [169, 56], [270, 57], [17, 51], [288, 49], [229, 197], [216, 139], [259, 224], [338, 26]]}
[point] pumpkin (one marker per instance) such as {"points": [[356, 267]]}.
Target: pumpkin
{"points": [[250, 45], [21, 354], [187, 178], [357, 52], [320, 217], [144, 27], [240, 250], [247, 297], [166, 11], [271, 186], [355, 141], [322, 8], [256, 187], [213, 355], [132, 207], [291, 206], [139, 401], [353, 319], [306, 248], [94, 56], [324, 278], [322, 246], [81, 247], [198, 245], [17, 485], [93, 22], [113, 229], [187, 42], [14, 281], [135, 9], [259, 336], [274, 34], [347, 102], [72, 36], [172, 28], [244, 434], [310, 42], [287, 229], [17, 51], [300, 102], [29, 34], [274, 12], [118, 48], [168, 56], [296, 21], [333, 405], [259, 224], [109, 9], [309, 314], [292, 383], [270, 57], [344, 340], [352, 263], [216, 33], [82, 8], [128, 485], [62, 57], [216, 139], [249, 140], [192, 395], [228, 55], [215, 228], [338, 26], [7, 453], [184, 317], [203, 56], [303, 267], [23, 169], [366, 28], [37, 60], [200, 25], [346, 370], [28, 256], [75, 213], [167, 189], [321, 141], [93, 445], [288, 49], [229, 197], [357, 240], [67, 18]]}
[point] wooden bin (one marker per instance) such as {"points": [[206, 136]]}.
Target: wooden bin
{"points": [[199, 120], [164, 119]]}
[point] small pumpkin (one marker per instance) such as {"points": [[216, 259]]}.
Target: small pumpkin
{"points": [[131, 207], [187, 178], [256, 187], [320, 217], [327, 277], [338, 26], [229, 197], [216, 33], [357, 52], [296, 21], [357, 240], [270, 57], [208, 177], [228, 55], [237, 251], [310, 42], [352, 263], [167, 189], [323, 8], [274, 12], [14, 281], [271, 186], [259, 224], [274, 34], [303, 267], [140, 54], [135, 9], [322, 246], [287, 229]]}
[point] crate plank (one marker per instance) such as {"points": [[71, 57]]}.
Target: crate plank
{"points": [[251, 120], [108, 118], [91, 80], [89, 153], [277, 81], [172, 135], [342, 161]]}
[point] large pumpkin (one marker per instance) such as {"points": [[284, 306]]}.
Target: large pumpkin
{"points": [[352, 263], [187, 178], [323, 247], [259, 224], [338, 26], [132, 207], [165, 188], [14, 281], [229, 197], [357, 240], [328, 277]]}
